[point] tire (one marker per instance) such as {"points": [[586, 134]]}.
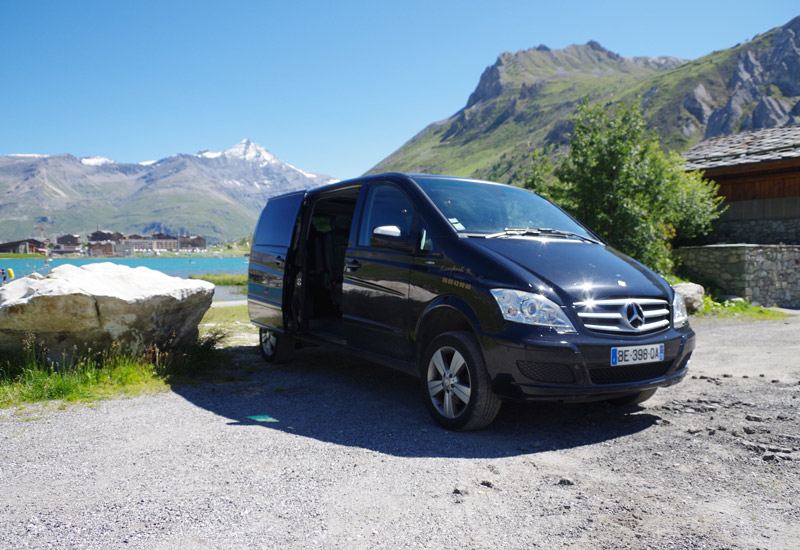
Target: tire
{"points": [[633, 399], [275, 347], [456, 384]]}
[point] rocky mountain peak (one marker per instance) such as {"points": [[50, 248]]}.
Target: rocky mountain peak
{"points": [[528, 67], [244, 150], [248, 150]]}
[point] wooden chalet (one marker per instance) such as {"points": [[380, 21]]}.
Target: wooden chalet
{"points": [[758, 173]]}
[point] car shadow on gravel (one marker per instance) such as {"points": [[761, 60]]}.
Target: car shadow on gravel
{"points": [[333, 397]]}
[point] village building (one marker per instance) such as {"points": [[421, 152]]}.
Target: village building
{"points": [[131, 245], [756, 243], [108, 243], [193, 242], [67, 244], [103, 235], [102, 248], [26, 246], [70, 240], [163, 237], [758, 173]]}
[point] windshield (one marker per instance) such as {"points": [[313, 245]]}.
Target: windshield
{"points": [[491, 208]]}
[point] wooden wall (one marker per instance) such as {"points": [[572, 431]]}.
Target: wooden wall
{"points": [[765, 180]]}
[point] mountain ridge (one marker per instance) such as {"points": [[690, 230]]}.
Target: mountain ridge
{"points": [[525, 100], [215, 194]]}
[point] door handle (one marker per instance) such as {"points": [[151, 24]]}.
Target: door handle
{"points": [[352, 265]]}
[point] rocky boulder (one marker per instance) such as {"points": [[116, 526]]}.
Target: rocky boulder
{"points": [[98, 304], [693, 295], [698, 103]]}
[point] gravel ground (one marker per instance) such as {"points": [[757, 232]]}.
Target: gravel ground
{"points": [[331, 452]]}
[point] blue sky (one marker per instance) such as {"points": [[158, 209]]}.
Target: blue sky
{"points": [[330, 87]]}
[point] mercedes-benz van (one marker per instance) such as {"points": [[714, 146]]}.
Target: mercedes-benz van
{"points": [[486, 292]]}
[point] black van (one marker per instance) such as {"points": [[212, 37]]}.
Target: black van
{"points": [[486, 292]]}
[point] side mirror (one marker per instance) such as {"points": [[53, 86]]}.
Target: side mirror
{"points": [[390, 236]]}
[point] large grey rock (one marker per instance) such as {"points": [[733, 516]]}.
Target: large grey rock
{"points": [[693, 295], [769, 113], [698, 104], [98, 304], [726, 120]]}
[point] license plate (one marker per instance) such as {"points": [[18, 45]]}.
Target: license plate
{"points": [[633, 355]]}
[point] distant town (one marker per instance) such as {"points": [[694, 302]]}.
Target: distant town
{"points": [[106, 243]]}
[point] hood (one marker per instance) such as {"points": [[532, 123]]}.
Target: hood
{"points": [[578, 269]]}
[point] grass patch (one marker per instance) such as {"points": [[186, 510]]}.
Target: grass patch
{"points": [[715, 306], [6, 255], [730, 309], [233, 323], [225, 317], [223, 279], [30, 376]]}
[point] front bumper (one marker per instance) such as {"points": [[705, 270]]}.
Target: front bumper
{"points": [[542, 365]]}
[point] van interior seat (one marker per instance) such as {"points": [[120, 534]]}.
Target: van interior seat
{"points": [[335, 251]]}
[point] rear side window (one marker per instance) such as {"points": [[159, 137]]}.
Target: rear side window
{"points": [[277, 220]]}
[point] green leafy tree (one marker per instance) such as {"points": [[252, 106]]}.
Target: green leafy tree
{"points": [[538, 177], [618, 181]]}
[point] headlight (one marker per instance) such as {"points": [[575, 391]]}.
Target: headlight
{"points": [[531, 309], [680, 316]]}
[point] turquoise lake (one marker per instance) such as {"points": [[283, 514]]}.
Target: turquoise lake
{"points": [[177, 267]]}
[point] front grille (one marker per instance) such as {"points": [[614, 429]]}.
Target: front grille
{"points": [[628, 373], [554, 373], [624, 315]]}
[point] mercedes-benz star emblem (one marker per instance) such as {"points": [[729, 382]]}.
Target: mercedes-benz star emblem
{"points": [[634, 314]]}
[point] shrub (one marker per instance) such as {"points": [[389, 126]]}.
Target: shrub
{"points": [[617, 181]]}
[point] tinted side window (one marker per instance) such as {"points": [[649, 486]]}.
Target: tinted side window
{"points": [[277, 220], [386, 205]]}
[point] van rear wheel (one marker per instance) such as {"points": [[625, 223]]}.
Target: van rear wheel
{"points": [[275, 347], [456, 384]]}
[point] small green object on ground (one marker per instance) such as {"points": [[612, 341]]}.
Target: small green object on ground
{"points": [[263, 418]]}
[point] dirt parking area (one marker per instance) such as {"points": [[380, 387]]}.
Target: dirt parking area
{"points": [[329, 452]]}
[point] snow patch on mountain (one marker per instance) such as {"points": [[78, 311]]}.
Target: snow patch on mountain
{"points": [[96, 161], [206, 154]]}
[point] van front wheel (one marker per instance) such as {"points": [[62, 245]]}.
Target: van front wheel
{"points": [[458, 391], [275, 347]]}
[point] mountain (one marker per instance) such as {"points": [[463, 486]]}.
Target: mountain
{"points": [[214, 194], [525, 100]]}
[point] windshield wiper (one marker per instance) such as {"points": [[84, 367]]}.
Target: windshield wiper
{"points": [[565, 233], [514, 231], [537, 231]]}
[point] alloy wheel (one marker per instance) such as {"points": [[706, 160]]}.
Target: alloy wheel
{"points": [[449, 383]]}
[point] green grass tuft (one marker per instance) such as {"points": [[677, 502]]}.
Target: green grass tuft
{"points": [[223, 279], [30, 376], [7, 255]]}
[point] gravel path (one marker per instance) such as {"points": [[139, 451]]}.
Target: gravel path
{"points": [[332, 452]]}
